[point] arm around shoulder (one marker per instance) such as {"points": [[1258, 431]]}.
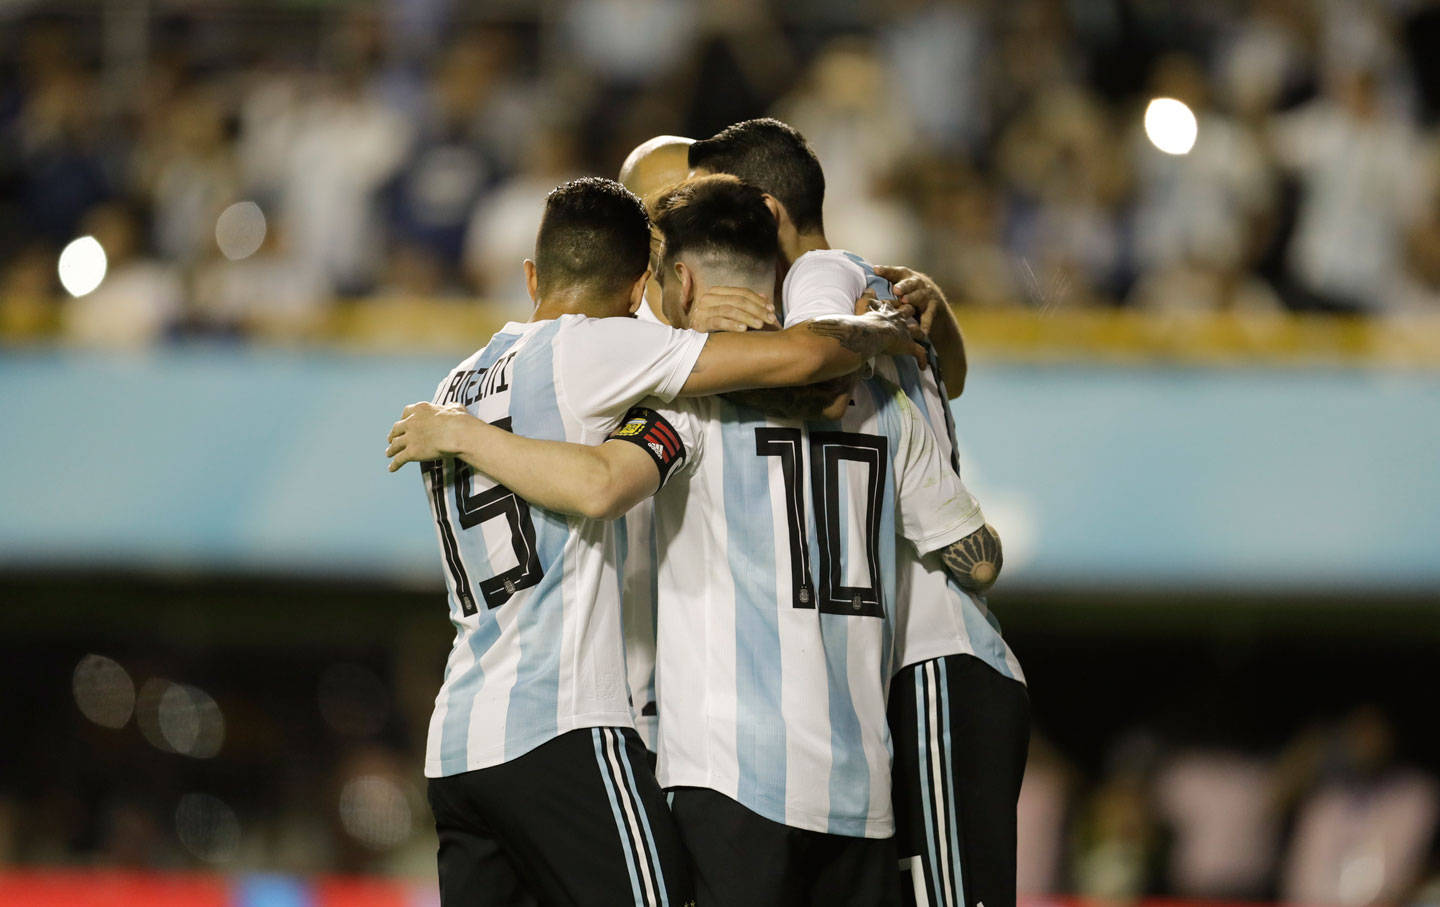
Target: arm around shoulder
{"points": [[814, 351]]}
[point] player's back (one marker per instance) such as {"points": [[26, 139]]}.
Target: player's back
{"points": [[777, 544], [936, 617], [534, 595]]}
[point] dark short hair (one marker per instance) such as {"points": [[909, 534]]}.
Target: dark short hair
{"points": [[718, 215], [774, 156], [595, 233]]}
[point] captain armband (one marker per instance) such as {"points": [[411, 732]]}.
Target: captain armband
{"points": [[649, 431]]}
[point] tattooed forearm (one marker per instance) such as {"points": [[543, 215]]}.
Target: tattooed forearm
{"points": [[807, 402], [865, 335], [974, 561]]}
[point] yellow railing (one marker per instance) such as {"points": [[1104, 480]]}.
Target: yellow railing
{"points": [[1022, 335], [1106, 335]]}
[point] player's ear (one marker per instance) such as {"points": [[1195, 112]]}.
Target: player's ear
{"points": [[637, 292], [532, 282], [784, 227], [777, 209], [687, 286]]}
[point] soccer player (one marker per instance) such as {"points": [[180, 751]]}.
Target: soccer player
{"points": [[652, 167], [959, 709], [777, 540], [537, 780]]}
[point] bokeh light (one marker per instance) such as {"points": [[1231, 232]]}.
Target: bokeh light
{"points": [[147, 712], [375, 811], [190, 721], [82, 266], [207, 827], [240, 230], [1171, 126], [103, 691], [177, 718]]}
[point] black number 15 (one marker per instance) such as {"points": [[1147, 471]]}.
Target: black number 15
{"points": [[472, 509]]}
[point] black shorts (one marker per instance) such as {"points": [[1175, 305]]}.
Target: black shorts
{"points": [[578, 820], [961, 732], [741, 859]]}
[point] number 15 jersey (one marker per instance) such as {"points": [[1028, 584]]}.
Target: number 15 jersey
{"points": [[534, 595], [776, 544]]}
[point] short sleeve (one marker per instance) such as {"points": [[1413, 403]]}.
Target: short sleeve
{"points": [[606, 365], [825, 282], [933, 508]]}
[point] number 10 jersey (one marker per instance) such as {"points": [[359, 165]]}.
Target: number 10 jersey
{"points": [[776, 543]]}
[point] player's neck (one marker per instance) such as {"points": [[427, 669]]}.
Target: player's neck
{"points": [[577, 301], [792, 249], [807, 242]]}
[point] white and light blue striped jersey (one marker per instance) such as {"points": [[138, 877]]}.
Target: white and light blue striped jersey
{"points": [[534, 595], [776, 542], [637, 595], [935, 616]]}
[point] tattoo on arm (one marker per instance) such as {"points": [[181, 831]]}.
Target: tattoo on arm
{"points": [[807, 402], [864, 336], [974, 562]]}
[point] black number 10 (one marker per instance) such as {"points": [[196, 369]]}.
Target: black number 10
{"points": [[827, 450]]}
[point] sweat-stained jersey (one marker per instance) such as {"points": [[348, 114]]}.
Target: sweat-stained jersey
{"points": [[637, 595], [777, 542], [935, 617], [534, 595]]}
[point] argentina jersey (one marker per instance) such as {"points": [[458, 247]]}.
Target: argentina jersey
{"points": [[534, 595], [776, 543], [637, 577], [936, 617]]}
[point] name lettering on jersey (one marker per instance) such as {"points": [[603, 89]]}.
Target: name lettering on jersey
{"points": [[468, 387]]}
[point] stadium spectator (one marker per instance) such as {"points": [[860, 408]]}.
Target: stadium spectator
{"points": [[1359, 165], [935, 53], [347, 143], [1220, 812], [842, 108], [1363, 834], [503, 222], [185, 170], [1207, 205]]}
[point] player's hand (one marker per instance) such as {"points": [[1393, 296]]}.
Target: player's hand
{"points": [[732, 309], [869, 302], [916, 290], [907, 337], [421, 434]]}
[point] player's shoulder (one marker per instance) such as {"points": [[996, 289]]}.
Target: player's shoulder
{"points": [[618, 330], [827, 261], [506, 337]]}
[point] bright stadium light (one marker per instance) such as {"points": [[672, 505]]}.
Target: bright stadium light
{"points": [[1171, 126], [82, 266], [239, 230]]}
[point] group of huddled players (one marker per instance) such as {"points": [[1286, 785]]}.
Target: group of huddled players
{"points": [[715, 579]]}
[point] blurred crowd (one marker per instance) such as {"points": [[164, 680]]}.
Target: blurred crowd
{"points": [[1333, 818], [248, 168], [307, 762]]}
